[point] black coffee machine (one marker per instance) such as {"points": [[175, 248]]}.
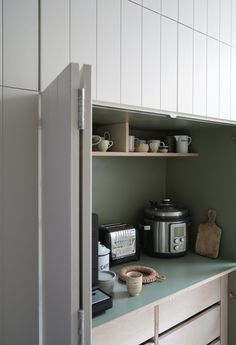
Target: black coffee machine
{"points": [[100, 300]]}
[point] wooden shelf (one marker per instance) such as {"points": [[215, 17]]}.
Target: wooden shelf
{"points": [[141, 154]]}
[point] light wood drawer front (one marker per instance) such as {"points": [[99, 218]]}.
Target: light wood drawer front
{"points": [[199, 330], [183, 306], [131, 329]]}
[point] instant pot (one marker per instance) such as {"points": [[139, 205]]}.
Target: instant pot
{"points": [[165, 229]]}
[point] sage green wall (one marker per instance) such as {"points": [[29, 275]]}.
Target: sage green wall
{"points": [[210, 181], [122, 187]]}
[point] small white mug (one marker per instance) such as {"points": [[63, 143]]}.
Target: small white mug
{"points": [[154, 145], [104, 145], [134, 282]]}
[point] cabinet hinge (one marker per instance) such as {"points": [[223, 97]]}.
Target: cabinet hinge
{"points": [[81, 105], [81, 327]]}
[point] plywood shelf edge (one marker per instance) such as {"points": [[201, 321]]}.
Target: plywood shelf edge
{"points": [[142, 154]]}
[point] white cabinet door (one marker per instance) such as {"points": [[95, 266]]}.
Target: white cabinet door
{"points": [[154, 5], [199, 73], [225, 21], [233, 84], [168, 64], [108, 50], [131, 53], [20, 216], [1, 224], [83, 35], [200, 15], [55, 39], [151, 68], [225, 78], [233, 21], [213, 55], [214, 18], [1, 45], [20, 44], [185, 70], [65, 165], [170, 8], [186, 12]]}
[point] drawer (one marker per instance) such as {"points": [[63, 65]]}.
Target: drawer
{"points": [[199, 330], [187, 304], [130, 329]]}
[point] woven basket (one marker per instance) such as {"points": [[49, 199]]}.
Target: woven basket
{"points": [[149, 274]]}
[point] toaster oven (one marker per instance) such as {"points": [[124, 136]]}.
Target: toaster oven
{"points": [[122, 240]]}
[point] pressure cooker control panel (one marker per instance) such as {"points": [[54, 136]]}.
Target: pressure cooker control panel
{"points": [[178, 237]]}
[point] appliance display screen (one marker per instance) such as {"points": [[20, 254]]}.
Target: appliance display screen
{"points": [[179, 231]]}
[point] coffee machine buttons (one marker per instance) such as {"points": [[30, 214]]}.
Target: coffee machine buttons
{"points": [[176, 247], [176, 240]]}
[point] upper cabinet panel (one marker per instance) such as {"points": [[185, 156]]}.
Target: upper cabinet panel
{"points": [[20, 44], [225, 71], [131, 52], [199, 73], [168, 64], [83, 35], [186, 12], [213, 57], [154, 5], [170, 8], [225, 21], [233, 22], [151, 68], [200, 15], [213, 29], [108, 50], [233, 84], [55, 43], [185, 70]]}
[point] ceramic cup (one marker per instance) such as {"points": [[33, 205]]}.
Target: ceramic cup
{"points": [[131, 143], [106, 280], [142, 148], [96, 139], [104, 145], [155, 144], [134, 282]]}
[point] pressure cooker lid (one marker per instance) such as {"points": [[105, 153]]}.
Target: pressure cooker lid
{"points": [[166, 209]]}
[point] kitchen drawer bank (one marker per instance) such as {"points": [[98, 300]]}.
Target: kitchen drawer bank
{"points": [[177, 306]]}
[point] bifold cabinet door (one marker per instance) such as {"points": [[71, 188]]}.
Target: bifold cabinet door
{"points": [[151, 68], [1, 223], [185, 70], [108, 50], [131, 53], [199, 73], [66, 207], [168, 64], [154, 5], [19, 231], [20, 43]]}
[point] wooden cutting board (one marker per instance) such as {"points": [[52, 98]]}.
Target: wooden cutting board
{"points": [[208, 237]]}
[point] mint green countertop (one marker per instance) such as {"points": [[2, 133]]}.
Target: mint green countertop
{"points": [[181, 273]]}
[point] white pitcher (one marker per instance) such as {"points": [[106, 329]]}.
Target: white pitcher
{"points": [[182, 143]]}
